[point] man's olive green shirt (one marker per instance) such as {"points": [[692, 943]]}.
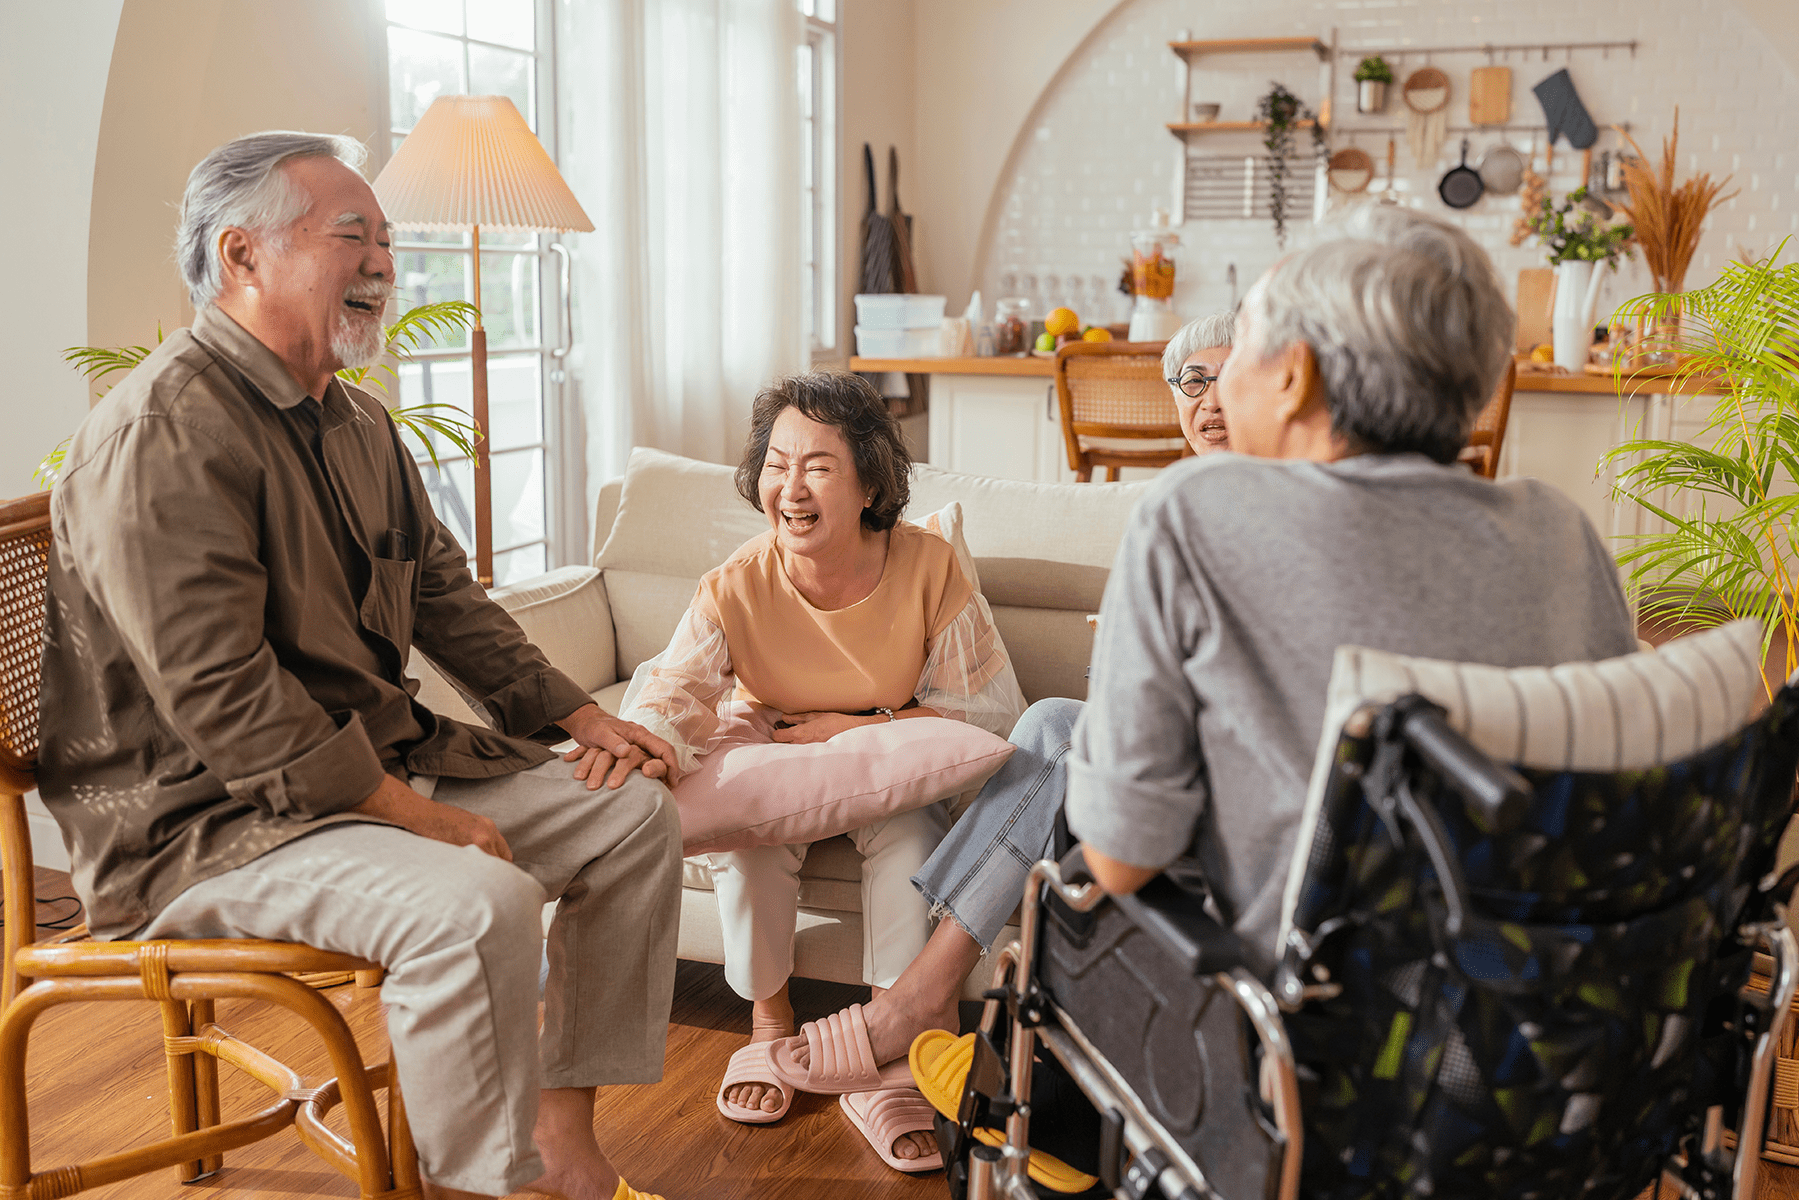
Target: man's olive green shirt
{"points": [[238, 575]]}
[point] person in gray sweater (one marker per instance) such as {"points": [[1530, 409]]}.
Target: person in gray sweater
{"points": [[1340, 517]]}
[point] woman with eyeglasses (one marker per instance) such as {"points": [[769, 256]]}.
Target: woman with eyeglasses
{"points": [[978, 871]]}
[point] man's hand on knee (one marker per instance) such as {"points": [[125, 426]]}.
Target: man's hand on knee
{"points": [[394, 801], [610, 749]]}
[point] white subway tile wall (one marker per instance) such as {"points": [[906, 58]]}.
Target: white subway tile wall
{"points": [[1098, 158]]}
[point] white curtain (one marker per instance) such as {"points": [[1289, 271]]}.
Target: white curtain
{"points": [[681, 134]]}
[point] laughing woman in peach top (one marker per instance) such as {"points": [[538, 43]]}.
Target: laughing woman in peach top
{"points": [[840, 615]]}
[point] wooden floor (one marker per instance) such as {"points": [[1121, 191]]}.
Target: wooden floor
{"points": [[97, 1085]]}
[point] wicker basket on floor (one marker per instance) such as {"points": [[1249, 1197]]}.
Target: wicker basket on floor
{"points": [[1782, 1144]]}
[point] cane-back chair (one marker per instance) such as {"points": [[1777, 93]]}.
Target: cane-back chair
{"points": [[1117, 409], [184, 978], [1484, 443]]}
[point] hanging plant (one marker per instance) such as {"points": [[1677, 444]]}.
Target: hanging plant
{"points": [[1281, 113]]}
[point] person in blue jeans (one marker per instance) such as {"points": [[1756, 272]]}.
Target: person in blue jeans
{"points": [[975, 878]]}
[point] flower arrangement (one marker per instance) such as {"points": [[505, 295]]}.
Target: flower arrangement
{"points": [[1570, 232], [1668, 218]]}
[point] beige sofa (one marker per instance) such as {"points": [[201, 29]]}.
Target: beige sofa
{"points": [[1043, 552]]}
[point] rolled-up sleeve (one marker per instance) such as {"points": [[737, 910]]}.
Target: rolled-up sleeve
{"points": [[162, 527], [1136, 770]]}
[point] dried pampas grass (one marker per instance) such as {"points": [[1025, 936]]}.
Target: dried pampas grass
{"points": [[1668, 218]]}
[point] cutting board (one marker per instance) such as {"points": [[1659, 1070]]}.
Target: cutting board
{"points": [[1536, 301], [1490, 95]]}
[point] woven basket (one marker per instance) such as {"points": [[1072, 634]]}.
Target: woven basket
{"points": [[1782, 1144]]}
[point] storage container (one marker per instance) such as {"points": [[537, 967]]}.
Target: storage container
{"points": [[898, 343], [898, 311]]}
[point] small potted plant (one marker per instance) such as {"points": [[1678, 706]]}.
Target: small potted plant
{"points": [[1577, 241], [1280, 113], [1372, 75]]}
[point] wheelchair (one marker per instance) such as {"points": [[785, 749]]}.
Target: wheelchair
{"points": [[1493, 982]]}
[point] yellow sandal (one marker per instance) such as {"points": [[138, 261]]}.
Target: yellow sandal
{"points": [[940, 1061]]}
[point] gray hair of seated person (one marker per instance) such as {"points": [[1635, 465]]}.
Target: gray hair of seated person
{"points": [[849, 404], [239, 185], [1201, 333], [1408, 323]]}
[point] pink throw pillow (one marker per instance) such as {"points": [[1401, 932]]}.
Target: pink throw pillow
{"points": [[753, 791]]}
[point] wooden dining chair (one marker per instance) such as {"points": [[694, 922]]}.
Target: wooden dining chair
{"points": [[1484, 443], [1117, 409], [184, 978]]}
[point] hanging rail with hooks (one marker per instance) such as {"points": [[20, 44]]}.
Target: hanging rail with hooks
{"points": [[1525, 49], [1351, 132]]}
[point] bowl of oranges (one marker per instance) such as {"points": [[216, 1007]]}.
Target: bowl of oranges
{"points": [[1063, 326]]}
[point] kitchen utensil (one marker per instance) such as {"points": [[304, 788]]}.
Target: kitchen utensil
{"points": [[1351, 170], [1564, 112], [879, 257], [1592, 201], [1390, 196], [1426, 94], [1536, 301], [1501, 170], [1460, 186], [1203, 113], [1490, 95]]}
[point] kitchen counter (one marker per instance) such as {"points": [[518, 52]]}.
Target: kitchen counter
{"points": [[999, 416], [1031, 366]]}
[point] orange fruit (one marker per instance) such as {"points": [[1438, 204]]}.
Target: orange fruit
{"points": [[1061, 321], [1098, 333]]}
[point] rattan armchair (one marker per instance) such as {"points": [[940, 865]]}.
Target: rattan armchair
{"points": [[184, 978], [1482, 451], [1112, 395]]}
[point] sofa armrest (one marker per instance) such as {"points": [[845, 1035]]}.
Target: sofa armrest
{"points": [[567, 615]]}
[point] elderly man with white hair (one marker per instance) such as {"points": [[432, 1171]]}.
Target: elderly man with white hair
{"points": [[975, 877], [244, 557], [1342, 519]]}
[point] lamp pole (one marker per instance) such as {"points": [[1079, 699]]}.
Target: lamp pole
{"points": [[478, 406]]}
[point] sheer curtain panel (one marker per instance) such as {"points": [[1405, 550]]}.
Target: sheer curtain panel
{"points": [[681, 134]]}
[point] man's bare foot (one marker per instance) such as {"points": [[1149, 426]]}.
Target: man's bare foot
{"points": [[574, 1167], [769, 1019]]}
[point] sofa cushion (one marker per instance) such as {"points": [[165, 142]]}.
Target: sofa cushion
{"points": [[753, 791], [677, 517]]}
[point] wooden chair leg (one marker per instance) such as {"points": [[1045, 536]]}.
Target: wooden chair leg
{"points": [[1084, 475], [402, 1153], [206, 1083], [178, 1026], [1111, 474]]}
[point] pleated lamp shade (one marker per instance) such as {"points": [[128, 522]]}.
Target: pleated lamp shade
{"points": [[472, 160]]}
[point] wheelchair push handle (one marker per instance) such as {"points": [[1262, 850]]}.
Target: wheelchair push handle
{"points": [[1497, 796]]}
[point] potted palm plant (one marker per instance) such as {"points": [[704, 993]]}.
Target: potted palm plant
{"points": [[1730, 500], [423, 422]]}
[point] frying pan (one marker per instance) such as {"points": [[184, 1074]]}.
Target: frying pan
{"points": [[1501, 170], [1460, 187]]}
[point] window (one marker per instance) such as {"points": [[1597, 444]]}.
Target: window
{"points": [[818, 166], [484, 47]]}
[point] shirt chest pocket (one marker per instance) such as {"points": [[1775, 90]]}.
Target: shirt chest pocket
{"points": [[387, 608]]}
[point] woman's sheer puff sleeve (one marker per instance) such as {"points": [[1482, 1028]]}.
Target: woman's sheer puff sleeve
{"points": [[676, 694], [968, 675]]}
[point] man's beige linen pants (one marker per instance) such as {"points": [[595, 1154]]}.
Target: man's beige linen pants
{"points": [[460, 934]]}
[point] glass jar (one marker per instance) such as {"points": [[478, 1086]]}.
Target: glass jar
{"points": [[1011, 323]]}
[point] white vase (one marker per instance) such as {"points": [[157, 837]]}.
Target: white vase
{"points": [[1576, 300]]}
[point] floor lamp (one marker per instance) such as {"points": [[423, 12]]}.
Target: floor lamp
{"points": [[470, 162]]}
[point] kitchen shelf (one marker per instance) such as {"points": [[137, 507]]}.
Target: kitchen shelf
{"points": [[1249, 46], [1181, 129]]}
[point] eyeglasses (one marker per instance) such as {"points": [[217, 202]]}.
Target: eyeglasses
{"points": [[1194, 383]]}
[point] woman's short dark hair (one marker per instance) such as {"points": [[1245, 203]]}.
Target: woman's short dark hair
{"points": [[849, 404]]}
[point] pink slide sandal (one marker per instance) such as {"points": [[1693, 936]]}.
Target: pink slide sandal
{"points": [[751, 1065], [885, 1116], [841, 1060]]}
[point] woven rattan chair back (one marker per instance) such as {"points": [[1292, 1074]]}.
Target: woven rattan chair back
{"points": [[1115, 391], [184, 978], [1488, 435]]}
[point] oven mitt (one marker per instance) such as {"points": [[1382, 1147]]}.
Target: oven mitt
{"points": [[1564, 112]]}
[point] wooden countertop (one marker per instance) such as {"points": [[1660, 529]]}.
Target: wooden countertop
{"points": [[1636, 383]]}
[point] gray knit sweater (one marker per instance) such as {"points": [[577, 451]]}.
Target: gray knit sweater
{"points": [[1236, 581]]}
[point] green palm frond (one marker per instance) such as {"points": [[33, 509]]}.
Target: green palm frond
{"points": [[1735, 552], [417, 419]]}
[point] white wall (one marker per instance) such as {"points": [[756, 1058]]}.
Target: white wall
{"points": [[52, 82], [880, 99]]}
